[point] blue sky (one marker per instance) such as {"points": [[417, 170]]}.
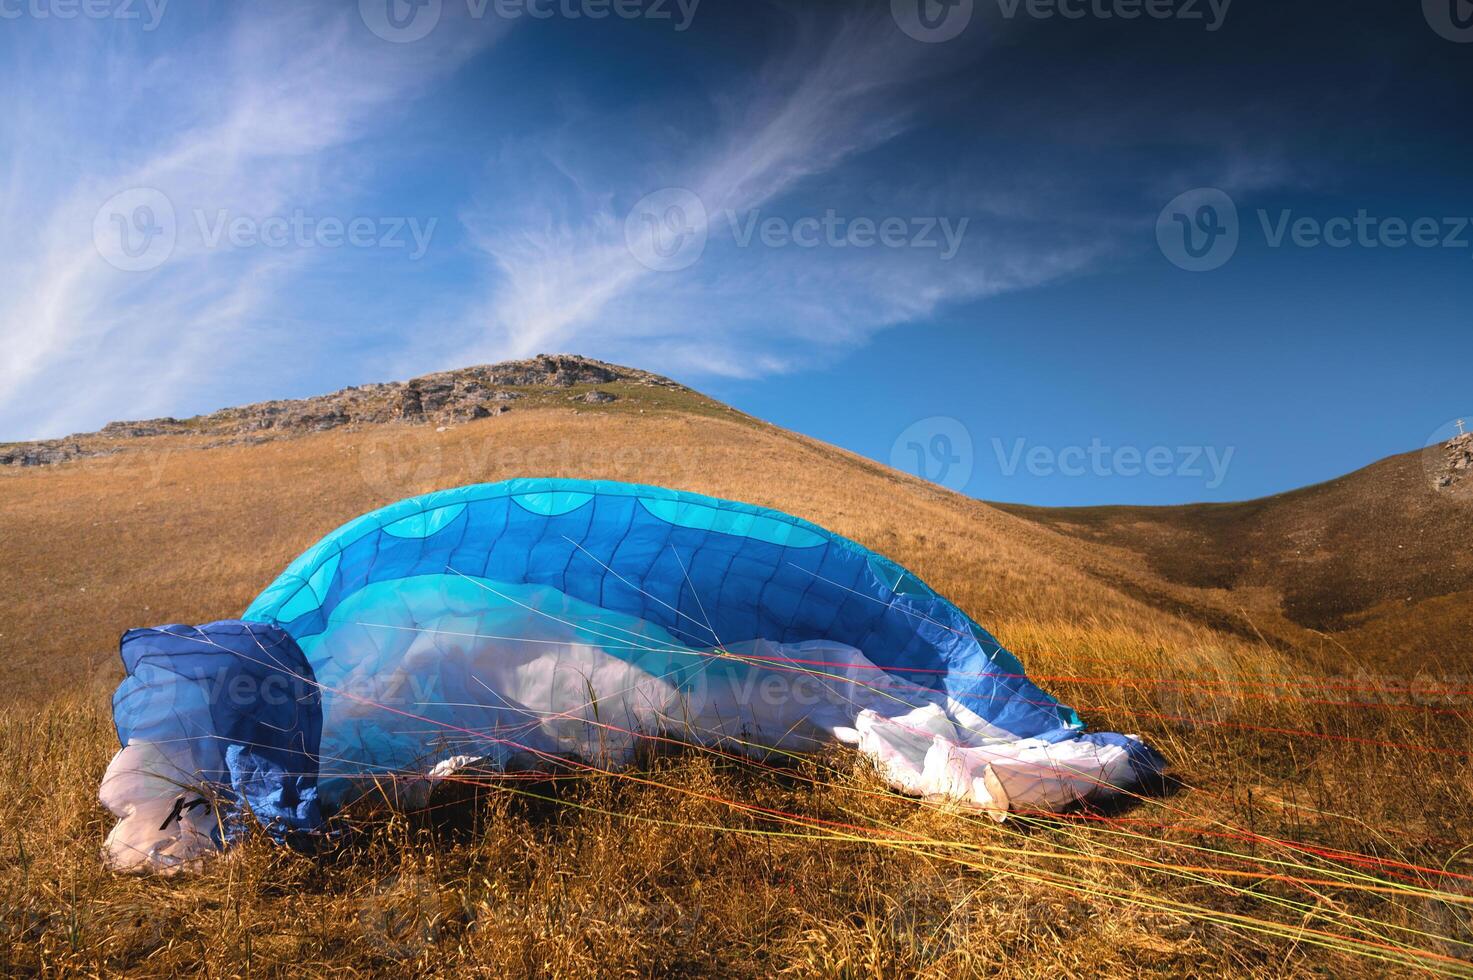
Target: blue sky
{"points": [[1037, 257]]}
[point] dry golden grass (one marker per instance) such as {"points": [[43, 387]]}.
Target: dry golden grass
{"points": [[677, 875], [1375, 548]]}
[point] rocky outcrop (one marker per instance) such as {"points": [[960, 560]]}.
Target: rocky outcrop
{"points": [[43, 453], [444, 398], [148, 427], [1451, 465]]}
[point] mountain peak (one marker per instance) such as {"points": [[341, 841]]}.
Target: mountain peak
{"points": [[441, 398]]}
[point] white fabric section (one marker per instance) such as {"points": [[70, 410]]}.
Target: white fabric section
{"points": [[924, 743], [796, 697], [150, 792], [919, 755]]}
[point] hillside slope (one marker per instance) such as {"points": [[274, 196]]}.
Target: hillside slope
{"points": [[1378, 558], [1312, 825], [177, 523]]}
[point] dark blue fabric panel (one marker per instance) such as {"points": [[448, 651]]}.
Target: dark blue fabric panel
{"points": [[242, 699]]}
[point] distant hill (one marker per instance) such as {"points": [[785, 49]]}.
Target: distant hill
{"points": [[1379, 558], [185, 519]]}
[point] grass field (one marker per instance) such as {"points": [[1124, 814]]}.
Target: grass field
{"points": [[1315, 821]]}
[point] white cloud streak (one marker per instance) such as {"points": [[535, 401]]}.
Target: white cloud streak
{"points": [[271, 114], [254, 120], [565, 278]]}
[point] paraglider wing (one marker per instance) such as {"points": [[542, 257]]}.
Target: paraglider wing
{"points": [[534, 622]]}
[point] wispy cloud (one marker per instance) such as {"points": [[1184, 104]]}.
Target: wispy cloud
{"points": [[897, 182], [566, 275], [255, 119]]}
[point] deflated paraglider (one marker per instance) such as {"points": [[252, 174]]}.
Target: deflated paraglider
{"points": [[540, 624]]}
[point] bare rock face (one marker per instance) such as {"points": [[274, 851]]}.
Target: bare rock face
{"points": [[42, 453], [148, 427], [560, 371], [410, 403], [1452, 466], [444, 398]]}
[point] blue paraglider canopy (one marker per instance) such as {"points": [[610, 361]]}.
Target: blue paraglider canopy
{"points": [[530, 621]]}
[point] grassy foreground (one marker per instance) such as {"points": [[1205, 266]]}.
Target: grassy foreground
{"points": [[1315, 824]]}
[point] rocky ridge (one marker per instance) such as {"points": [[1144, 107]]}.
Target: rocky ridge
{"points": [[1451, 465], [443, 398]]}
